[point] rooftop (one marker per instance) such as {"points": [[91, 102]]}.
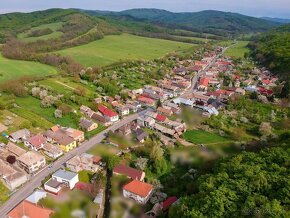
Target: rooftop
{"points": [[67, 175], [139, 188]]}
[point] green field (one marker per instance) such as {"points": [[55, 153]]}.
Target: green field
{"points": [[4, 193], [122, 47], [202, 137], [13, 69], [195, 38], [237, 50], [53, 26]]}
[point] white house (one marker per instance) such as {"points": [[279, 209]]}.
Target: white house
{"points": [[138, 191], [67, 178]]}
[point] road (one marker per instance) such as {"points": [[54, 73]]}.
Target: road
{"points": [[36, 180]]}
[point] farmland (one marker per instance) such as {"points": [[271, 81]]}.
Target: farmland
{"points": [[52, 26], [121, 47], [237, 50], [13, 69]]}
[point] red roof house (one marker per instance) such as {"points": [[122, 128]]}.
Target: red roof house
{"points": [[111, 115], [129, 172], [160, 118], [145, 100], [168, 202], [27, 209], [36, 142], [139, 191]]}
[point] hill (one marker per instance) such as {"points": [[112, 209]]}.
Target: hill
{"points": [[210, 21], [272, 49], [277, 20]]}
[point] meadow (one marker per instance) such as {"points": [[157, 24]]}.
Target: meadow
{"points": [[14, 69], [4, 193], [237, 50], [121, 47], [202, 137], [53, 26]]}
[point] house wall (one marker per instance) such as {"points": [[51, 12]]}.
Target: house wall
{"points": [[33, 167], [69, 147], [137, 198], [13, 184], [70, 183], [51, 189]]}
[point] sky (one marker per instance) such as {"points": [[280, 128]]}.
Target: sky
{"points": [[257, 8]]}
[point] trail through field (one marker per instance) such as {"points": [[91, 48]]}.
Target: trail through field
{"points": [[65, 85]]}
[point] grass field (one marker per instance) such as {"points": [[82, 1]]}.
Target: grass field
{"points": [[14, 69], [237, 50], [195, 38], [53, 26], [122, 47], [4, 193], [202, 137]]}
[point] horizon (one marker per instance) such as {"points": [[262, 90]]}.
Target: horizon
{"points": [[261, 8]]}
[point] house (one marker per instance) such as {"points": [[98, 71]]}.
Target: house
{"points": [[67, 178], [101, 119], [160, 118], [12, 175], [138, 191], [14, 149], [164, 111], [145, 121], [77, 135], [87, 125], [31, 161], [20, 135], [86, 111], [165, 205], [35, 142], [123, 110], [108, 114], [52, 150], [66, 143], [203, 84], [27, 209], [53, 186], [125, 129], [146, 101], [141, 135], [83, 162], [129, 172], [240, 91], [36, 196]]}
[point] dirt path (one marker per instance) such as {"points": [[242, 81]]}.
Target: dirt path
{"points": [[65, 85]]}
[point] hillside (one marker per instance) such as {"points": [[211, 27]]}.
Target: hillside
{"points": [[272, 49], [277, 20], [216, 22]]}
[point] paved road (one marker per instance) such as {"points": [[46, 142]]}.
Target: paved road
{"points": [[36, 180]]}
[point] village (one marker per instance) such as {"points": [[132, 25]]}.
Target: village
{"points": [[203, 85]]}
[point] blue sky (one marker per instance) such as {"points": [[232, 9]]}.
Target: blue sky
{"points": [[257, 8]]}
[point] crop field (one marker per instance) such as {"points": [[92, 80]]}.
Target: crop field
{"points": [[14, 69], [202, 137], [53, 26], [116, 48], [237, 50]]}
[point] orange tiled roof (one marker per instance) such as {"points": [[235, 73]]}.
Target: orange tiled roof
{"points": [[27, 209], [139, 188]]}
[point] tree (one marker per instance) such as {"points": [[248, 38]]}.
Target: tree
{"points": [[141, 163], [111, 161], [11, 159], [81, 91], [265, 129], [65, 109], [58, 113]]}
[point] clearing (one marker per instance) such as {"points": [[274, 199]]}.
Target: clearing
{"points": [[53, 26], [14, 69], [116, 48], [202, 137], [237, 50]]}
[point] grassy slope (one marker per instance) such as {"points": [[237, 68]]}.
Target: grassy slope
{"points": [[202, 137], [12, 69], [121, 47], [238, 50], [53, 26]]}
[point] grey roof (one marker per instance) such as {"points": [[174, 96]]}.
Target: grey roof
{"points": [[67, 175], [53, 183], [36, 196]]}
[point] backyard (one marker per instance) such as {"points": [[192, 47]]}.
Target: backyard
{"points": [[202, 137]]}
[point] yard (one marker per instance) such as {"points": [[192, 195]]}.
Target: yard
{"points": [[202, 137], [237, 50], [4, 193], [85, 176], [122, 47], [53, 26], [14, 69]]}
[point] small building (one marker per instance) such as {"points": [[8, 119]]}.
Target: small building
{"points": [[123, 110], [88, 125], [35, 142], [67, 178], [20, 135], [141, 135], [129, 172], [203, 84], [36, 196], [108, 114], [52, 150], [138, 191], [31, 161], [14, 149], [83, 162], [53, 186], [164, 111]]}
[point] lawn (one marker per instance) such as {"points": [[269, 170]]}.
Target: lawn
{"points": [[53, 26], [14, 69], [4, 193], [237, 50], [85, 176], [202, 137], [122, 47]]}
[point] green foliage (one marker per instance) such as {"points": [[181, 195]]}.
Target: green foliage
{"points": [[246, 185], [202, 137]]}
